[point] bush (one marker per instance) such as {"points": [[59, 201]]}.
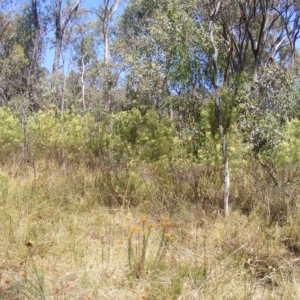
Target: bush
{"points": [[49, 134], [11, 136], [145, 137]]}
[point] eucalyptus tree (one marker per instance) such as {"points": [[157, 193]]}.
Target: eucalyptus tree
{"points": [[6, 51], [259, 40], [34, 51], [21, 54], [217, 100], [62, 16], [258, 32], [163, 44], [20, 64], [172, 51], [82, 41], [105, 13]]}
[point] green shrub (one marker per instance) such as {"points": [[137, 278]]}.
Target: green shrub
{"points": [[49, 134], [145, 137], [11, 136], [288, 150]]}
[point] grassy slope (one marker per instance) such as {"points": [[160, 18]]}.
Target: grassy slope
{"points": [[80, 248]]}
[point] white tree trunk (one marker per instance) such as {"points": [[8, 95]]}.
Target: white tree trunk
{"points": [[218, 113]]}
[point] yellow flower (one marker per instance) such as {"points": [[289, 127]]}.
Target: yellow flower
{"points": [[169, 236], [166, 222], [143, 219], [134, 230]]}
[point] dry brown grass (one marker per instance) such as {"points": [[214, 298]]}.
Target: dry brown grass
{"points": [[80, 246]]}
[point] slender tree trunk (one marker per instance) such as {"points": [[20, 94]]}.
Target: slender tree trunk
{"points": [[34, 60], [58, 47], [106, 46], [105, 15], [60, 28], [218, 113], [37, 35], [62, 128], [255, 70], [82, 82], [107, 88], [58, 36]]}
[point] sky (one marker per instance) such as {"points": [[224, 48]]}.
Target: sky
{"points": [[49, 55]]}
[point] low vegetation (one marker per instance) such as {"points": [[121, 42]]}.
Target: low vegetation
{"points": [[122, 209], [156, 157]]}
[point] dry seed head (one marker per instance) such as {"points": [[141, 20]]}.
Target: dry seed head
{"points": [[29, 244]]}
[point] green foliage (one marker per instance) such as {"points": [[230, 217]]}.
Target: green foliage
{"points": [[4, 186], [265, 107], [10, 133], [49, 133], [288, 151], [12, 69], [128, 135], [202, 140], [162, 44], [143, 137], [208, 122]]}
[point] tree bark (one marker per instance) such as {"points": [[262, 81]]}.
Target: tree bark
{"points": [[105, 16], [82, 82], [60, 28], [34, 60], [218, 113]]}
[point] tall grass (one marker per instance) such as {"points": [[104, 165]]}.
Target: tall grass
{"points": [[80, 246], [67, 233]]}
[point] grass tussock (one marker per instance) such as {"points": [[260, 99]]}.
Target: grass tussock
{"points": [[77, 234]]}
